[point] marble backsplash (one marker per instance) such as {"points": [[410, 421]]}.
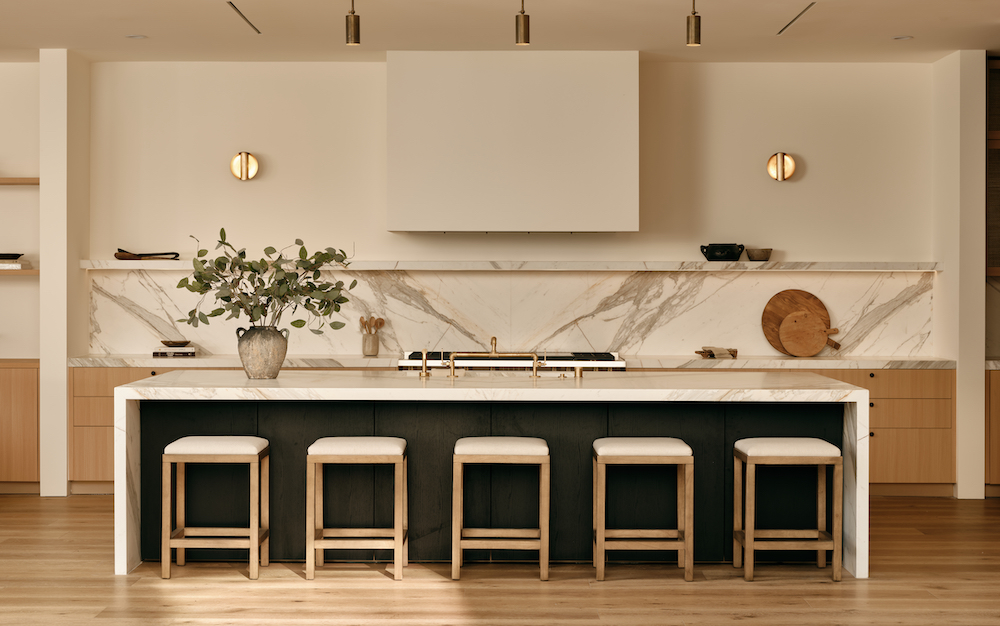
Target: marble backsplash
{"points": [[634, 313]]}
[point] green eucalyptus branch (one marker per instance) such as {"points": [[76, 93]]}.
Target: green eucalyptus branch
{"points": [[264, 289]]}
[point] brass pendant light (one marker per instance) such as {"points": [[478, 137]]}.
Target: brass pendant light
{"points": [[353, 27], [694, 27], [521, 36]]}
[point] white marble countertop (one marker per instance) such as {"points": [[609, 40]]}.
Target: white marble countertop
{"points": [[633, 362], [676, 386]]}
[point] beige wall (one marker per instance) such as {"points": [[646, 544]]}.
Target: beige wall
{"points": [[19, 207], [164, 133]]}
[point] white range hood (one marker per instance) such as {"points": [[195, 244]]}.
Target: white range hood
{"points": [[520, 141]]}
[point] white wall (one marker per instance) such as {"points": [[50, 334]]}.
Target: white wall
{"points": [[19, 207], [164, 134]]}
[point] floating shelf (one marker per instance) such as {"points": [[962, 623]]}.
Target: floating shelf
{"points": [[19, 272], [18, 181], [573, 266]]}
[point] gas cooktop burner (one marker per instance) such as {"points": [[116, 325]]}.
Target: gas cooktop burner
{"points": [[551, 356]]}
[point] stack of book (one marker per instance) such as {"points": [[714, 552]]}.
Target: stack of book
{"points": [[8, 264], [172, 352]]}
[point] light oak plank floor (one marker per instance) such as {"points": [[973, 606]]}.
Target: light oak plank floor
{"points": [[934, 561]]}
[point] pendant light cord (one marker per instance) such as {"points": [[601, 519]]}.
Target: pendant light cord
{"points": [[352, 7], [693, 11], [522, 6]]}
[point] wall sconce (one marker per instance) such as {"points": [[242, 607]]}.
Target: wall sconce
{"points": [[243, 166], [780, 166]]}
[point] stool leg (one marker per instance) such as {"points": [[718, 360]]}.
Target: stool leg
{"points": [[320, 468], [254, 530], [689, 522], [680, 512], [737, 510], [397, 524], [406, 516], [181, 490], [751, 520], [265, 510], [821, 510], [593, 500], [165, 525], [311, 519], [838, 519], [456, 521], [600, 553], [543, 518]]}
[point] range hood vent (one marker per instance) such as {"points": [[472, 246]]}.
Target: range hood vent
{"points": [[513, 141]]}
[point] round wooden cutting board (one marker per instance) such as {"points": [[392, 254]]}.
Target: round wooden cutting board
{"points": [[803, 333], [783, 304]]}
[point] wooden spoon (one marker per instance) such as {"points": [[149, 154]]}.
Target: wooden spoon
{"points": [[379, 323], [364, 325]]}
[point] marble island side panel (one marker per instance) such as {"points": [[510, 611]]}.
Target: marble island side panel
{"points": [[679, 386]]}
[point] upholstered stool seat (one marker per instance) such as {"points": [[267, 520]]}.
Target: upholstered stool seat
{"points": [[786, 451], [224, 449], [355, 451], [500, 450], [645, 451]]}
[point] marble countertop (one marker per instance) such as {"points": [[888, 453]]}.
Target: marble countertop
{"points": [[778, 386], [634, 362]]}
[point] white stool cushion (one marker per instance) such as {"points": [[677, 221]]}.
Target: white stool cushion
{"points": [[642, 446], [354, 446], [786, 446], [519, 446], [217, 444]]}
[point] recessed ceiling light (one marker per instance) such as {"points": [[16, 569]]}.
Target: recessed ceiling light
{"points": [[135, 36], [902, 37]]}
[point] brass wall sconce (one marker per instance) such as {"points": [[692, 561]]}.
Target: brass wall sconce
{"points": [[243, 166], [780, 166]]}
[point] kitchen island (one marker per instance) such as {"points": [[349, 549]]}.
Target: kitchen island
{"points": [[405, 389]]}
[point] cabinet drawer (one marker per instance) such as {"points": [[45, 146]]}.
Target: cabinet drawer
{"points": [[912, 455], [93, 411], [99, 381], [910, 413], [898, 383], [93, 453]]}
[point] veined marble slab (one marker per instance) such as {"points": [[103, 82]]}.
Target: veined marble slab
{"points": [[879, 314], [677, 386], [228, 360]]}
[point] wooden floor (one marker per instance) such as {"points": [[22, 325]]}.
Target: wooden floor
{"points": [[934, 561]]}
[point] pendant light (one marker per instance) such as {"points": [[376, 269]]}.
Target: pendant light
{"points": [[521, 36], [353, 27], [694, 27]]}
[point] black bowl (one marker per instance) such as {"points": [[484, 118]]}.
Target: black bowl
{"points": [[10, 256], [174, 344]]}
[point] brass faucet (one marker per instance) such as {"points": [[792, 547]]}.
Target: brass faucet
{"points": [[492, 354]]}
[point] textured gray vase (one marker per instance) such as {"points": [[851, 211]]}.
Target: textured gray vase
{"points": [[262, 350]]}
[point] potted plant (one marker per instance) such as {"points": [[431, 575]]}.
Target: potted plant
{"points": [[263, 290]]}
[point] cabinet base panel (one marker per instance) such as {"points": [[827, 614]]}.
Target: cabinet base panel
{"points": [[921, 490], [91, 487], [7, 488], [993, 491]]}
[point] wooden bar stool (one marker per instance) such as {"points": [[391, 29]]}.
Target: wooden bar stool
{"points": [[787, 451], [500, 450], [355, 451], [226, 449], [645, 451]]}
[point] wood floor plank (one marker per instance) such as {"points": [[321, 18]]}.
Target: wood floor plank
{"points": [[934, 562]]}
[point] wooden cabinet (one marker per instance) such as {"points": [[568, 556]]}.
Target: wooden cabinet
{"points": [[993, 427], [19, 420], [92, 418], [912, 415]]}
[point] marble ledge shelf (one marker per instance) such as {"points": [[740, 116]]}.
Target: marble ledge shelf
{"points": [[576, 266], [632, 362]]}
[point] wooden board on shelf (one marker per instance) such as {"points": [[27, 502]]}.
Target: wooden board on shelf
{"points": [[18, 181], [19, 272]]}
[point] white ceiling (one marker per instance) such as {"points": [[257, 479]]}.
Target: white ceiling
{"points": [[313, 30]]}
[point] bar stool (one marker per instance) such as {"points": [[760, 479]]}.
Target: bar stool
{"points": [[355, 451], [787, 451], [645, 451], [226, 449], [500, 450]]}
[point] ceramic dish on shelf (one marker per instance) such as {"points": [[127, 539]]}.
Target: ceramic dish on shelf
{"points": [[174, 344], [5, 256]]}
